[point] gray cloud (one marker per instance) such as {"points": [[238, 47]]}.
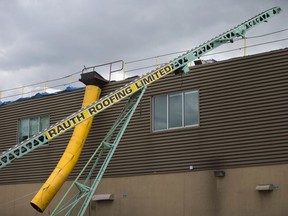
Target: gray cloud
{"points": [[42, 40]]}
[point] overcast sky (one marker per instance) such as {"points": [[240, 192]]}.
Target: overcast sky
{"points": [[48, 39]]}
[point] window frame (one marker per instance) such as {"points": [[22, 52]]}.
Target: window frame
{"points": [[29, 119], [182, 93]]}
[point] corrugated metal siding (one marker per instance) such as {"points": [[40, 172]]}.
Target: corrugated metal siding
{"points": [[37, 165], [243, 122]]}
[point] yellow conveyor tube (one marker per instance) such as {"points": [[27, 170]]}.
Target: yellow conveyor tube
{"points": [[69, 158]]}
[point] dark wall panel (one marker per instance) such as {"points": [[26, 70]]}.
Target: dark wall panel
{"points": [[243, 122]]}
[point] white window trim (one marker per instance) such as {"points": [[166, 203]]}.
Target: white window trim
{"points": [[183, 112]]}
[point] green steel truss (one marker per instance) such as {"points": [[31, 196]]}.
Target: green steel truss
{"points": [[177, 65], [99, 161]]}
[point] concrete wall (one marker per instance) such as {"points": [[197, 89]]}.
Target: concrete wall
{"points": [[198, 193], [183, 194], [15, 199]]}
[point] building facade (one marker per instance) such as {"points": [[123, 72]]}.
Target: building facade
{"points": [[212, 142]]}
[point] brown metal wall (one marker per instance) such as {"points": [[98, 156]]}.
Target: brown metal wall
{"points": [[37, 165], [243, 122]]}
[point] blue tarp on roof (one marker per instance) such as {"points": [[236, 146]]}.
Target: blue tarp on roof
{"points": [[41, 94]]}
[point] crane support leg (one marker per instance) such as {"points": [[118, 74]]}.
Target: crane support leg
{"points": [[98, 161]]}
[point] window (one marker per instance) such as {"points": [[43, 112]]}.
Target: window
{"points": [[175, 110], [31, 126]]}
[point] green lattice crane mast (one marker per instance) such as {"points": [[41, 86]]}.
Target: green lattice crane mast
{"points": [[178, 65]]}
